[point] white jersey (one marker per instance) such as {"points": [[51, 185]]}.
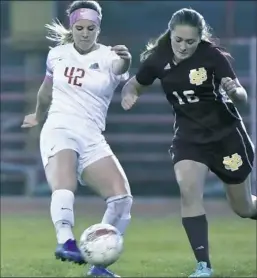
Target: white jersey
{"points": [[83, 85]]}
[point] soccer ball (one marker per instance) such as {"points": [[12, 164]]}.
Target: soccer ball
{"points": [[101, 244]]}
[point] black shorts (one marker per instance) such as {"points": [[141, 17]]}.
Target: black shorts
{"points": [[230, 158]]}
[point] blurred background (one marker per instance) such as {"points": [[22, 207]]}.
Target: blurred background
{"points": [[141, 137]]}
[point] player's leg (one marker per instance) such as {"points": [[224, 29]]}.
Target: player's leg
{"points": [[61, 176], [60, 161], [104, 174], [241, 199], [239, 193], [233, 164], [191, 176], [191, 171], [107, 178]]}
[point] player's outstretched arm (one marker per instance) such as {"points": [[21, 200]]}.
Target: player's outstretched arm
{"points": [[122, 65], [130, 93], [145, 77], [44, 98]]}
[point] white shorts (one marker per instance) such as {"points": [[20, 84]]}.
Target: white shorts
{"points": [[87, 141]]}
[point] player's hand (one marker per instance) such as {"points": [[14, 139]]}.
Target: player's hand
{"points": [[122, 51], [29, 121], [128, 100], [229, 85]]}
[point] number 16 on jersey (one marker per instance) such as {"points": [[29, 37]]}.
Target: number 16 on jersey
{"points": [[189, 96]]}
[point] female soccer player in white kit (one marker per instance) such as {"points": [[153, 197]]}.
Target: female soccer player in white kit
{"points": [[80, 80]]}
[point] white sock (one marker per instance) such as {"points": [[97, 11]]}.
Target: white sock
{"points": [[62, 214], [122, 224], [118, 212]]}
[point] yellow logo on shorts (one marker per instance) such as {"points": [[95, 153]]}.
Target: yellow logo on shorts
{"points": [[232, 162], [198, 76]]}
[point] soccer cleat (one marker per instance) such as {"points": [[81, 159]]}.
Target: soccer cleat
{"points": [[202, 270], [98, 271], [69, 252]]}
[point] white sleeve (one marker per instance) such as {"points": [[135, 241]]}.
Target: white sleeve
{"points": [[49, 64], [54, 55]]}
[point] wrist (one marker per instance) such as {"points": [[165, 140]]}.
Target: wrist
{"points": [[126, 63], [38, 115], [239, 94]]}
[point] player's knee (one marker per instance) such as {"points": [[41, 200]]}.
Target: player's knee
{"points": [[190, 191], [57, 183], [243, 207], [120, 187], [59, 180], [61, 171], [245, 212], [120, 206]]}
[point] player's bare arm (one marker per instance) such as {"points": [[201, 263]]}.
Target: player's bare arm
{"points": [[130, 93], [145, 77], [234, 89], [122, 65], [227, 76], [44, 98]]}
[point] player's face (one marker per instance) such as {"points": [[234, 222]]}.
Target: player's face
{"points": [[85, 33], [184, 41]]}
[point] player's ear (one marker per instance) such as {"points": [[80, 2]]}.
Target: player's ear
{"points": [[98, 31]]}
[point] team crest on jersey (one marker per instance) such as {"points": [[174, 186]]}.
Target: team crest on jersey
{"points": [[232, 162], [198, 76]]}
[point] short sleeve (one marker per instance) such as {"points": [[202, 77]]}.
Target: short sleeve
{"points": [[222, 65], [147, 72], [49, 65]]}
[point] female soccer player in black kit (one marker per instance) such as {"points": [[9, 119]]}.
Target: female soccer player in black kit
{"points": [[200, 84]]}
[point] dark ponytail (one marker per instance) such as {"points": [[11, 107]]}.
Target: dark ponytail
{"points": [[162, 40]]}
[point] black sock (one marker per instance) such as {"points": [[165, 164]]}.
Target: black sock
{"points": [[197, 232]]}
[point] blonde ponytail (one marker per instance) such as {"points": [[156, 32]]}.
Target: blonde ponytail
{"points": [[58, 33]]}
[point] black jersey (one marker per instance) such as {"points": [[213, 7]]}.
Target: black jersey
{"points": [[203, 111]]}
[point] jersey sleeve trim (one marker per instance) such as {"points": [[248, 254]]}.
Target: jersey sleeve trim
{"points": [[49, 72]]}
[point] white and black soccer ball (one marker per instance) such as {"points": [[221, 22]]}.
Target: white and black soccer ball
{"points": [[101, 244]]}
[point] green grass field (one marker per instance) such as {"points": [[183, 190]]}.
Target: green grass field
{"points": [[152, 248]]}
